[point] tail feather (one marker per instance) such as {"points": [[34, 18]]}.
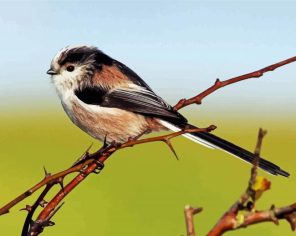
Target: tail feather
{"points": [[212, 141]]}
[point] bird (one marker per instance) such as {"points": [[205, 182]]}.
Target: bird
{"points": [[110, 102]]}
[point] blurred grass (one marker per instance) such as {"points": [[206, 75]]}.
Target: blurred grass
{"points": [[142, 190]]}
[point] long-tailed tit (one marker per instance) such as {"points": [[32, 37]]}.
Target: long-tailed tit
{"points": [[106, 99]]}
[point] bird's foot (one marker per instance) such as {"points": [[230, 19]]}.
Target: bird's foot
{"points": [[99, 167]]}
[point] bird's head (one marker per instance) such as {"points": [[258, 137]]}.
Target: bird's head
{"points": [[74, 66]]}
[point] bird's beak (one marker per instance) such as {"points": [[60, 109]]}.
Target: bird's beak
{"points": [[51, 72]]}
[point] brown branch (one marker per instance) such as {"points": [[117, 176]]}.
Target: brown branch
{"points": [[43, 217], [189, 212], [5, 209], [219, 84], [261, 135], [272, 215], [46, 214], [91, 163], [242, 213], [230, 221], [89, 159], [31, 210]]}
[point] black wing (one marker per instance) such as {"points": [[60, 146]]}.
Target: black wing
{"points": [[136, 99]]}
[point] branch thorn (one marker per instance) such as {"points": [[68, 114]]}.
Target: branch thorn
{"points": [[105, 144], [43, 203], [46, 173], [168, 142], [83, 156], [45, 223], [27, 208], [87, 150]]}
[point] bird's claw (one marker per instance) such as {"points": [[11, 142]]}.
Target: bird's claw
{"points": [[99, 167]]}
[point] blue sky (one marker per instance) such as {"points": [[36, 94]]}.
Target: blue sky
{"points": [[179, 48]]}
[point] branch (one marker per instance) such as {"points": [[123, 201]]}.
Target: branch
{"points": [[87, 164], [102, 156], [89, 159], [47, 213], [48, 178], [31, 210], [242, 213], [219, 84], [272, 215], [189, 212]]}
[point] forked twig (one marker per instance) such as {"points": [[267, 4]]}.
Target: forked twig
{"points": [[189, 212], [230, 217]]}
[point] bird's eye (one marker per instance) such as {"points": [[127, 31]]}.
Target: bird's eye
{"points": [[70, 68]]}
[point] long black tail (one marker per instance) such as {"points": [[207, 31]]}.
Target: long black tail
{"points": [[241, 153], [209, 139]]}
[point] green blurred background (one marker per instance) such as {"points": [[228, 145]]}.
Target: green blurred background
{"points": [[142, 190], [179, 48]]}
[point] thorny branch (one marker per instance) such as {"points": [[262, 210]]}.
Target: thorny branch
{"points": [[89, 158], [94, 162], [31, 209]]}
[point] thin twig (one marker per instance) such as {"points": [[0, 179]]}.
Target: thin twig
{"points": [[219, 84], [231, 221], [261, 135], [189, 212]]}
